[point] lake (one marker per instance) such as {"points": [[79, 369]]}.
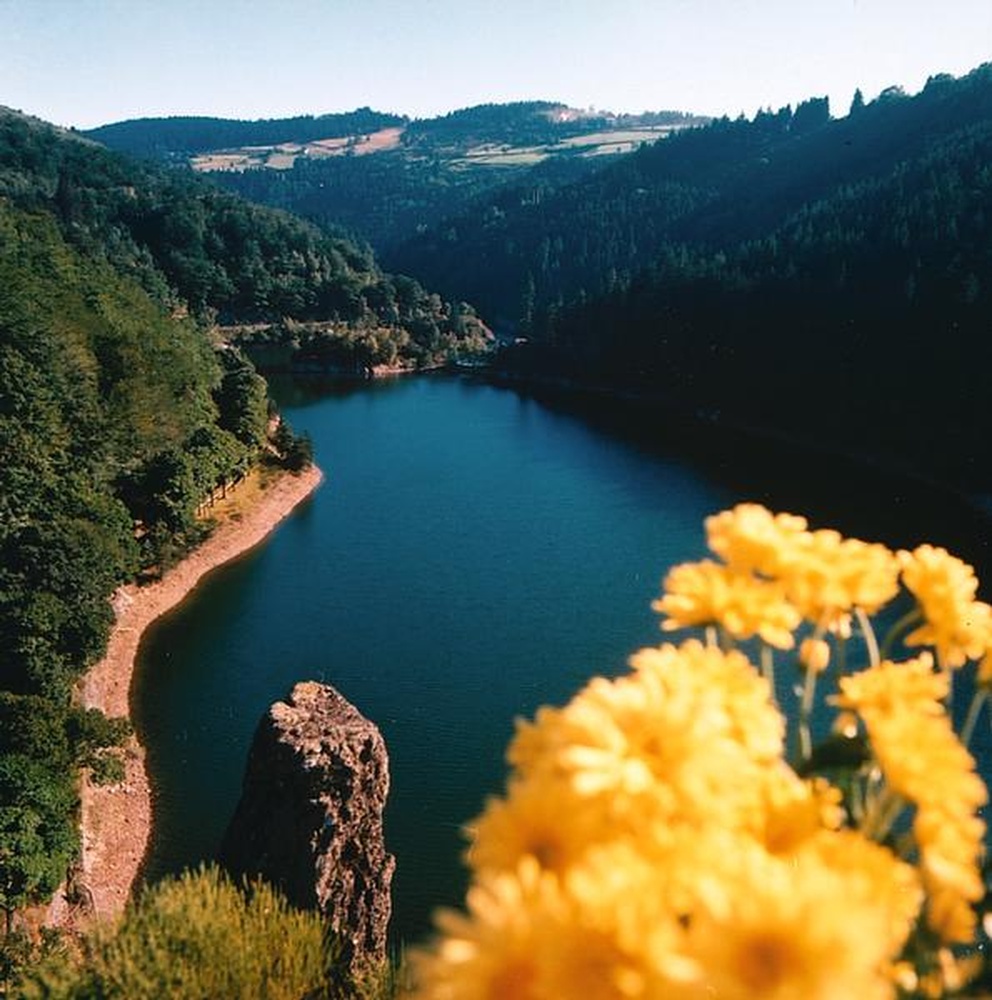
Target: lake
{"points": [[473, 553]]}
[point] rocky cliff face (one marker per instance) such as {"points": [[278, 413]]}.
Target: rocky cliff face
{"points": [[310, 816]]}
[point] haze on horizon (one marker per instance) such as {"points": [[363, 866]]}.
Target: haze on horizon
{"points": [[89, 62]]}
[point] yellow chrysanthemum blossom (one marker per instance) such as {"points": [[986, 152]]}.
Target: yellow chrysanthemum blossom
{"points": [[707, 593], [687, 736], [823, 572], [528, 822], [828, 576], [655, 843], [529, 935], [729, 677], [794, 811], [925, 763], [750, 538], [955, 624], [817, 924], [814, 655], [493, 952], [895, 688]]}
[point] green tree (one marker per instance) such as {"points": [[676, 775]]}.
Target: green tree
{"points": [[242, 399], [37, 836]]}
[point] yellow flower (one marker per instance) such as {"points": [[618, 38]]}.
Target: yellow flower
{"points": [[605, 934], [894, 688], [541, 818], [814, 654], [727, 678], [494, 952], [684, 737], [829, 576], [654, 843], [955, 624], [752, 538], [821, 570], [796, 811], [822, 923], [925, 763], [951, 847], [874, 874], [706, 593]]}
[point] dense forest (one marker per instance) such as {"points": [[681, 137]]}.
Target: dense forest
{"points": [[823, 278], [121, 410], [432, 173], [181, 135], [194, 247], [741, 270], [112, 413]]}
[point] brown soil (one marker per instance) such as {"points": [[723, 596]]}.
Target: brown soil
{"points": [[116, 820]]}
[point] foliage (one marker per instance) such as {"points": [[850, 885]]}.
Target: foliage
{"points": [[97, 388], [167, 137], [200, 936], [822, 259], [388, 197], [114, 408], [19, 951], [37, 836], [97, 743], [196, 936], [242, 400], [295, 450], [192, 246], [419, 331], [656, 840]]}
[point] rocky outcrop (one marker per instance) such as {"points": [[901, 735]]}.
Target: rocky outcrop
{"points": [[310, 816]]}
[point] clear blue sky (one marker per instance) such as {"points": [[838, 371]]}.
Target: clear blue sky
{"points": [[87, 62]]}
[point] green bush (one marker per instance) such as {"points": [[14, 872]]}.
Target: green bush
{"points": [[198, 936]]}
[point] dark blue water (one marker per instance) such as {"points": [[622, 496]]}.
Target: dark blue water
{"points": [[472, 554]]}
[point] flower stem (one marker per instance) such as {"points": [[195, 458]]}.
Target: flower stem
{"points": [[974, 711], [910, 618], [881, 814], [805, 715], [806, 704], [841, 655], [768, 669], [874, 657]]}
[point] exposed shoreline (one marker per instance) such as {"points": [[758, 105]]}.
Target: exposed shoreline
{"points": [[116, 820]]}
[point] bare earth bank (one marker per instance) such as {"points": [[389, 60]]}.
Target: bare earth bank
{"points": [[116, 819]]}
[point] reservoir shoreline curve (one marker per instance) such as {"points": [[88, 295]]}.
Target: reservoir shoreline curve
{"points": [[115, 820]]}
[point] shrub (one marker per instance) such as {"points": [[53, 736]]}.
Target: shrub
{"points": [[198, 936]]}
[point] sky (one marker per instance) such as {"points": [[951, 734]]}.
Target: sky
{"points": [[88, 62]]}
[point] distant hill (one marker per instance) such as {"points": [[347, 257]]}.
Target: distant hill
{"points": [[826, 279], [179, 137], [193, 246], [820, 276], [383, 178]]}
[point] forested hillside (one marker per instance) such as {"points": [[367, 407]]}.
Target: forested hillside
{"points": [[706, 189], [121, 412], [195, 247], [393, 177], [112, 413], [182, 135], [825, 278]]}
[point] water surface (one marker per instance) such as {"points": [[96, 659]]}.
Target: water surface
{"points": [[473, 553]]}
